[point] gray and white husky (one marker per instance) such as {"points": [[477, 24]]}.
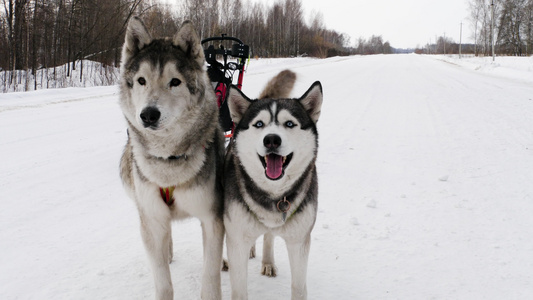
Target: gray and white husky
{"points": [[270, 179], [174, 150]]}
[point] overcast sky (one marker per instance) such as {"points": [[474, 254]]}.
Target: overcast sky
{"points": [[404, 23]]}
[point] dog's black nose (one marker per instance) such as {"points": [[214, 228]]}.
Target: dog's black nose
{"points": [[150, 116], [272, 141]]}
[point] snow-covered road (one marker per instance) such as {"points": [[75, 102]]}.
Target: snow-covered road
{"points": [[425, 169]]}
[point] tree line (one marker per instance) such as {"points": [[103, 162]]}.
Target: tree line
{"points": [[513, 26], [276, 30], [43, 34], [513, 30], [372, 45]]}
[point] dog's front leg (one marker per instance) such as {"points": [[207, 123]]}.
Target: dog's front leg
{"points": [[156, 236], [268, 265], [213, 240], [238, 255], [298, 257]]}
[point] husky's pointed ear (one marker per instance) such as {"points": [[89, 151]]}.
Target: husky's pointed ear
{"points": [[312, 100], [189, 42], [238, 103], [137, 37]]}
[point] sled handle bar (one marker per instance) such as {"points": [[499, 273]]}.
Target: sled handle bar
{"points": [[222, 38], [239, 50]]}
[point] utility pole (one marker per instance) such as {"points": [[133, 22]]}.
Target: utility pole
{"points": [[492, 29], [444, 42], [460, 39]]}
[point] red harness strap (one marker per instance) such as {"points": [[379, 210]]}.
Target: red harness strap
{"points": [[167, 195]]}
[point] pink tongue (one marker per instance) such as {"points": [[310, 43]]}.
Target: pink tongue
{"points": [[274, 166]]}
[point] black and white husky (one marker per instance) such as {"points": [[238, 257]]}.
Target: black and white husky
{"points": [[270, 179], [175, 148]]}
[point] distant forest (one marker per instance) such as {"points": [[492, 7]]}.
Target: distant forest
{"points": [[45, 34], [38, 34], [513, 26], [513, 29]]}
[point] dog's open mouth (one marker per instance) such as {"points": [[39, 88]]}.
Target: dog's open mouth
{"points": [[275, 165]]}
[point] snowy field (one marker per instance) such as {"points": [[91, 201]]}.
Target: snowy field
{"points": [[425, 169]]}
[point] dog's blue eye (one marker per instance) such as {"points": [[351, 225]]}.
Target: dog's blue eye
{"points": [[175, 82], [141, 81], [290, 124], [259, 124]]}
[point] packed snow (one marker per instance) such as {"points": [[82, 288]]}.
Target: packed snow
{"points": [[425, 168]]}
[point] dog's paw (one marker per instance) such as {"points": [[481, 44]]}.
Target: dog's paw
{"points": [[252, 252], [225, 265], [269, 270]]}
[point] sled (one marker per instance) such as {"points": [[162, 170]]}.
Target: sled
{"points": [[221, 73]]}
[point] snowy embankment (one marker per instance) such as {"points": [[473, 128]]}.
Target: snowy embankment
{"points": [[519, 68], [425, 172], [86, 73]]}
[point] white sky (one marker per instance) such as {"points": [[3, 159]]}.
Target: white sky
{"points": [[404, 23]]}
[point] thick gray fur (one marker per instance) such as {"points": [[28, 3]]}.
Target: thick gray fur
{"points": [[182, 146]]}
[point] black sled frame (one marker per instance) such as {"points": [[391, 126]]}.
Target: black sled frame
{"points": [[221, 73]]}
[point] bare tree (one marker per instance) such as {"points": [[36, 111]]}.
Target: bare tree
{"points": [[476, 8], [512, 18], [528, 26]]}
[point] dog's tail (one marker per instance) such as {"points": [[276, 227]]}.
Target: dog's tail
{"points": [[279, 86]]}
